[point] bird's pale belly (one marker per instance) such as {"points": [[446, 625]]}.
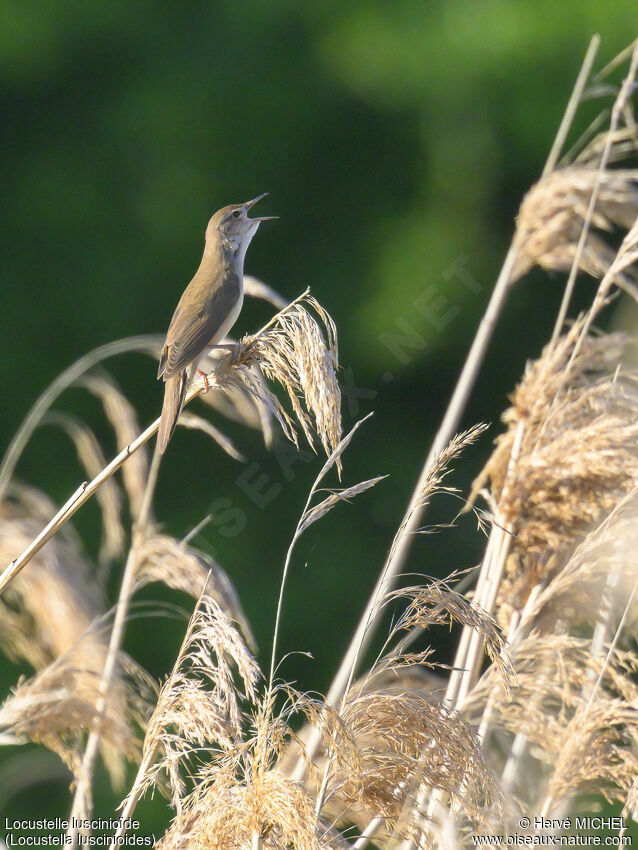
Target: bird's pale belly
{"points": [[225, 327]]}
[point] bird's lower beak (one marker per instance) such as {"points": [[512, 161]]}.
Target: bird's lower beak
{"points": [[252, 203]]}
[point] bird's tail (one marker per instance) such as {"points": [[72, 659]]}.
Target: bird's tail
{"points": [[174, 393]]}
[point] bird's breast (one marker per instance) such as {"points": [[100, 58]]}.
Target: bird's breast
{"points": [[231, 317]]}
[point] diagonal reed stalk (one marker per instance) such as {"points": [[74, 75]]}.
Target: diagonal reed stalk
{"points": [[253, 287], [86, 490], [489, 580], [468, 654], [62, 382], [465, 383], [519, 745]]}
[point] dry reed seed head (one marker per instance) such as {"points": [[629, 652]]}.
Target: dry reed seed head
{"points": [[577, 458], [574, 746], [436, 604], [339, 743], [553, 212], [237, 402], [600, 753], [199, 706], [123, 419], [598, 578], [58, 706], [397, 680], [199, 423], [242, 795], [551, 672], [50, 605], [440, 466], [226, 814], [387, 742], [163, 558], [228, 377], [108, 496], [316, 512], [49, 616], [405, 743], [191, 720], [438, 469], [299, 352]]}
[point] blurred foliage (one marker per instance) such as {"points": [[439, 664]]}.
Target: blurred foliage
{"points": [[396, 140]]}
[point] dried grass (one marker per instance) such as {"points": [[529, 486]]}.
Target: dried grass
{"points": [[389, 738], [238, 403], [436, 604], [578, 745], [599, 753], [172, 562], [391, 743], [394, 739], [123, 418], [437, 471], [555, 713], [57, 706], [554, 211], [199, 704], [299, 352], [48, 608], [599, 576], [226, 814], [577, 459], [109, 497], [238, 796]]}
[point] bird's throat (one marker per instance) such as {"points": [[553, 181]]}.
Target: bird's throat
{"points": [[240, 245]]}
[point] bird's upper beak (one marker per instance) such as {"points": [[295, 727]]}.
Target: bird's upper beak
{"points": [[252, 203]]}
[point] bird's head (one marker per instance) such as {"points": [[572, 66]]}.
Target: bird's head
{"points": [[233, 225]]}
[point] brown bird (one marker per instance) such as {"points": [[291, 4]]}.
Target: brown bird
{"points": [[208, 308]]}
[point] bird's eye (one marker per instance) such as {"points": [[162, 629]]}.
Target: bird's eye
{"points": [[236, 213]]}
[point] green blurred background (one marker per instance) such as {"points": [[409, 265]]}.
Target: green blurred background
{"points": [[396, 140]]}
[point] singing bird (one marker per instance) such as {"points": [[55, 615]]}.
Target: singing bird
{"points": [[208, 308]]}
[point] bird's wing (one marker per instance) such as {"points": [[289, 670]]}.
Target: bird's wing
{"points": [[195, 323]]}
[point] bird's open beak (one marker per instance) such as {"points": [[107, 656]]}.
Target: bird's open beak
{"points": [[252, 203]]}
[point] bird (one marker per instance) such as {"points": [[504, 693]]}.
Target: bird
{"points": [[208, 308]]}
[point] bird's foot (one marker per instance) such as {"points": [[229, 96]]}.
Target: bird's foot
{"points": [[204, 377]]}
